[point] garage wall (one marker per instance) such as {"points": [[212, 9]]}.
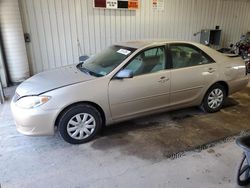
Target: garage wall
{"points": [[57, 27]]}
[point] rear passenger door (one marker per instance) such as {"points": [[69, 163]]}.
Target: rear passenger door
{"points": [[188, 73]]}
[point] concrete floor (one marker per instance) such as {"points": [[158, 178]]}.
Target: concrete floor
{"points": [[123, 157]]}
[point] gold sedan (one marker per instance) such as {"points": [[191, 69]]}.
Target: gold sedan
{"points": [[125, 81]]}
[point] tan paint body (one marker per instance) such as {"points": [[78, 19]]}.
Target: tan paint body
{"points": [[123, 99]]}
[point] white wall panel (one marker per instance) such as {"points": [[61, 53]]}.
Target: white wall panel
{"points": [[56, 26]]}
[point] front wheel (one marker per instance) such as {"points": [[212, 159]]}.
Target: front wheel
{"points": [[80, 124], [214, 99]]}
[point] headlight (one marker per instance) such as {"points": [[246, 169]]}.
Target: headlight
{"points": [[32, 101]]}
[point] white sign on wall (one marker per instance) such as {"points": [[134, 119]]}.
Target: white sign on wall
{"points": [[158, 4], [111, 4]]}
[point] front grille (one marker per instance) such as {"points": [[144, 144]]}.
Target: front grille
{"points": [[16, 97]]}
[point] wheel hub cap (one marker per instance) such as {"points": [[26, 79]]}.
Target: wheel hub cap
{"points": [[81, 126], [215, 98]]}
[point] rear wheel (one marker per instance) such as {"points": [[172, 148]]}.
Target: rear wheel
{"points": [[214, 99], [80, 124]]}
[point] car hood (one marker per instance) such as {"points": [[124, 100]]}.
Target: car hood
{"points": [[50, 80]]}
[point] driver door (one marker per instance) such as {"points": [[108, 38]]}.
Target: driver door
{"points": [[148, 89]]}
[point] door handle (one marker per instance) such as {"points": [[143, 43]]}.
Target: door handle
{"points": [[211, 70], [163, 79]]}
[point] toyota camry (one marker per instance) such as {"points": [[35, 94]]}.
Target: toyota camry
{"points": [[126, 80]]}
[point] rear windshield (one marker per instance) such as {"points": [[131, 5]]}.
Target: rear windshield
{"points": [[107, 60]]}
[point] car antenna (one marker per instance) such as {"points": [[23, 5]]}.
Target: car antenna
{"points": [[82, 57], [79, 49]]}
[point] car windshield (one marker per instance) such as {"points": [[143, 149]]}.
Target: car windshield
{"points": [[104, 62]]}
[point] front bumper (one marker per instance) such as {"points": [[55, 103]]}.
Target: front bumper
{"points": [[34, 121]]}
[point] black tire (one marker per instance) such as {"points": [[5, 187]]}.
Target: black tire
{"points": [[243, 170], [79, 109], [205, 103]]}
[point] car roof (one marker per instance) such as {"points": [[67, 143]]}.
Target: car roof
{"points": [[141, 44], [147, 43]]}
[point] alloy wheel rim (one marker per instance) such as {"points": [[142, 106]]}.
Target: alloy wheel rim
{"points": [[81, 126], [215, 98]]}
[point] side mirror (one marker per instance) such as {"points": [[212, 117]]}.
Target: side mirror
{"points": [[83, 58], [125, 73]]}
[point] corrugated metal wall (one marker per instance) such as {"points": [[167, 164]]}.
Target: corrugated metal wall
{"points": [[56, 25]]}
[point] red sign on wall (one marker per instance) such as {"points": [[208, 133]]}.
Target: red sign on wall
{"points": [[100, 3]]}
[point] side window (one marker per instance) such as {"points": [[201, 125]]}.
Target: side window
{"points": [[148, 61], [186, 56]]}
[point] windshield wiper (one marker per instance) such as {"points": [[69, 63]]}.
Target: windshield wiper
{"points": [[83, 69], [87, 71]]}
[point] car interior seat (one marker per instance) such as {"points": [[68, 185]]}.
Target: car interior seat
{"points": [[149, 63], [181, 60], [195, 59], [160, 64], [175, 58], [137, 64]]}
